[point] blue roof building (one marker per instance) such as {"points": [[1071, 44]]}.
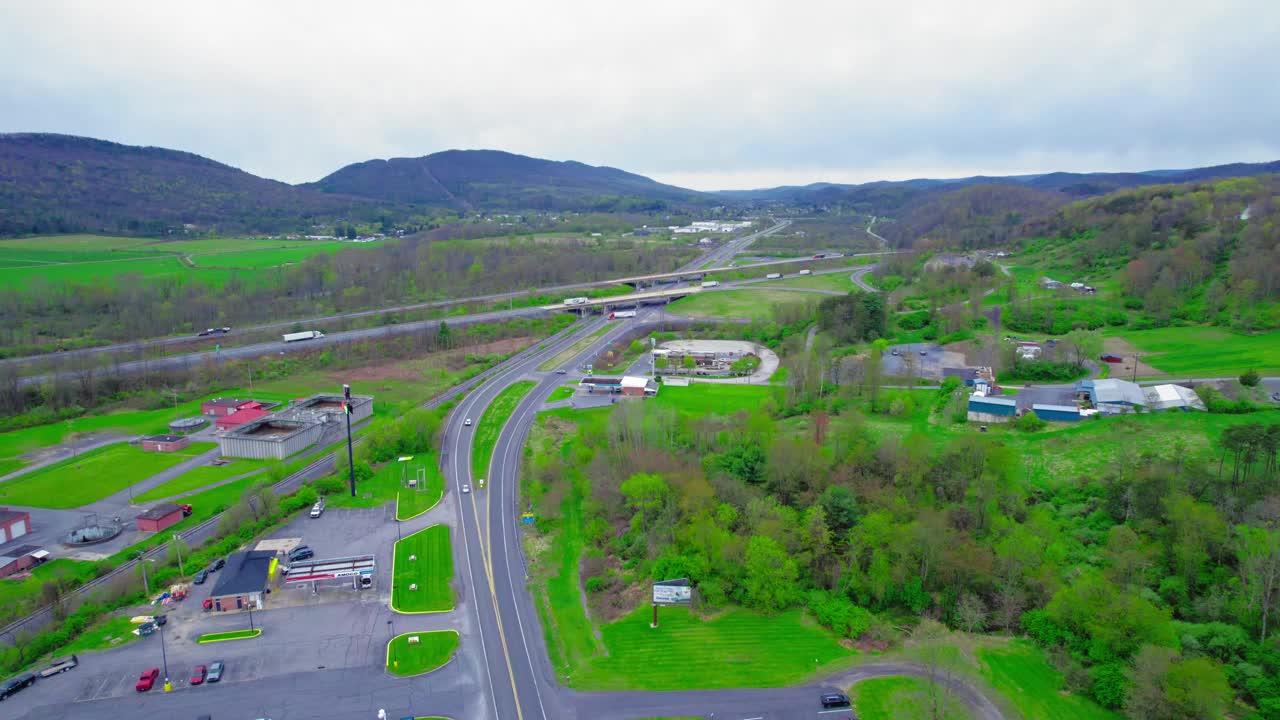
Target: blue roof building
{"points": [[983, 408], [1056, 413]]}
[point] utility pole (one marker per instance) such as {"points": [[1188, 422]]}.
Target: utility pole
{"points": [[164, 662], [178, 549], [351, 458], [146, 586]]}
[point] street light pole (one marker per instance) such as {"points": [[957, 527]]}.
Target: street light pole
{"points": [[250, 606], [164, 661], [351, 459]]}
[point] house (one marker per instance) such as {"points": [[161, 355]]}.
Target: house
{"points": [[222, 407], [1172, 397], [21, 558], [1112, 396], [240, 417], [243, 582], [13, 524], [165, 443], [1056, 413], [160, 517], [983, 408]]}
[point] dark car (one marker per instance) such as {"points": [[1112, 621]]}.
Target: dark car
{"points": [[160, 619], [199, 674], [200, 577], [16, 684], [147, 680], [830, 700], [215, 671], [218, 565], [302, 552]]}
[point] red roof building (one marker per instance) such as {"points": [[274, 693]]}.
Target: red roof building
{"points": [[13, 524], [222, 407], [160, 517], [241, 417]]}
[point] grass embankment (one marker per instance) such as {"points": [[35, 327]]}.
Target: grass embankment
{"points": [[107, 634], [203, 477], [572, 351], [491, 424], [563, 392], [389, 483], [902, 698], [1020, 673], [828, 281], [754, 304], [91, 476], [1202, 351], [431, 651], [225, 636], [431, 571]]}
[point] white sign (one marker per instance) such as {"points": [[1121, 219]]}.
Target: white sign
{"points": [[672, 594]]}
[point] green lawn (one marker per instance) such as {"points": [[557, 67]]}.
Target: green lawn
{"points": [[490, 425], [431, 571], [711, 398], [74, 572], [902, 698], [1202, 351], [430, 652], [1020, 673], [268, 257], [225, 636], [827, 281], [385, 486], [101, 635], [92, 476], [203, 476], [563, 392], [750, 304]]}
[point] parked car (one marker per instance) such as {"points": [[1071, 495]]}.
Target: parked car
{"points": [[318, 509], [15, 684], [216, 668], [200, 577], [207, 604], [199, 674], [302, 552], [467, 422], [218, 565], [160, 620], [893, 351], [147, 679], [830, 700], [924, 352]]}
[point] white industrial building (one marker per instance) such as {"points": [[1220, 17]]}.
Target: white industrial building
{"points": [[1172, 397], [296, 427]]}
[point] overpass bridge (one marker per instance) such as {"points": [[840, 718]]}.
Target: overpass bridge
{"points": [[653, 297]]}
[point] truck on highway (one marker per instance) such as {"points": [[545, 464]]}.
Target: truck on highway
{"points": [[304, 335], [806, 272], [773, 276], [60, 665], [622, 314], [711, 283], [575, 301]]}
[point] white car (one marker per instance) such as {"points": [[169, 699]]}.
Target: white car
{"points": [[318, 509], [467, 422], [466, 488]]}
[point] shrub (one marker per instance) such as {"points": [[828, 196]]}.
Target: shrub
{"points": [[1250, 378], [1029, 422]]}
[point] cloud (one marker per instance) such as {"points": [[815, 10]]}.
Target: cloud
{"points": [[699, 93]]}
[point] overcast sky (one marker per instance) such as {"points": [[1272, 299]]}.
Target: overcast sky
{"points": [[705, 95]]}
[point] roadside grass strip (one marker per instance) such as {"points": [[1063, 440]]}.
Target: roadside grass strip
{"points": [[1020, 672], [428, 651], [491, 424], [422, 584], [225, 636], [904, 698]]}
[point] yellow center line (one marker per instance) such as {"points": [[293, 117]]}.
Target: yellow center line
{"points": [[487, 560]]}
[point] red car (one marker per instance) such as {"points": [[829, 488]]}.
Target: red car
{"points": [[147, 680], [198, 675], [207, 604]]}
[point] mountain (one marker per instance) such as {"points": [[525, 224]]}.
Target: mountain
{"points": [[492, 179], [62, 183], [972, 215]]}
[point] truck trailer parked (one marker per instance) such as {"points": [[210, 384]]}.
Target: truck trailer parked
{"points": [[304, 335], [60, 665]]}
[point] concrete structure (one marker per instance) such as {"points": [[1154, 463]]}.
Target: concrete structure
{"points": [[270, 438], [1172, 397], [222, 407], [1056, 413], [327, 409], [160, 517], [638, 386], [165, 443], [13, 524], [243, 582], [239, 417], [187, 425], [1111, 396], [987, 409]]}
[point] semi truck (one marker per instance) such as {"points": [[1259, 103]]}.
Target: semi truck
{"points": [[622, 314], [304, 335], [711, 283], [805, 272], [575, 301], [773, 276]]}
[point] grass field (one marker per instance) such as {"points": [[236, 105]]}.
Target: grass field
{"points": [[828, 281], [202, 477], [1200, 351], [225, 636], [562, 393], [91, 476], [431, 571], [901, 698], [1021, 675], [101, 635], [74, 572], [385, 486], [711, 398], [490, 425], [749, 304], [431, 651]]}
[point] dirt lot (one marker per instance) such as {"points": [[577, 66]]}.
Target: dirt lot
{"points": [[412, 369], [1121, 347]]}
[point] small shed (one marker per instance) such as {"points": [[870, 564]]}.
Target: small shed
{"points": [[158, 518], [13, 524], [1056, 413], [165, 443], [983, 408], [222, 407], [638, 386]]}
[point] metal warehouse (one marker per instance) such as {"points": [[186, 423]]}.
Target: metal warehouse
{"points": [[328, 408], [270, 438], [1113, 396], [991, 409], [1056, 413]]}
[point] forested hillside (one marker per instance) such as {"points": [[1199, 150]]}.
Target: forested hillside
{"points": [[974, 216], [490, 179], [63, 184]]}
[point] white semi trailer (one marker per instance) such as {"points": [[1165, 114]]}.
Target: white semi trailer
{"points": [[575, 301], [304, 335]]}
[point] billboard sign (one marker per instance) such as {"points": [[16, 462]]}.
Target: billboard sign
{"points": [[672, 592]]}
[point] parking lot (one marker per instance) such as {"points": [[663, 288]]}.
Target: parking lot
{"points": [[908, 362]]}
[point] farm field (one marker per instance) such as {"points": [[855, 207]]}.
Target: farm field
{"points": [[1201, 351], [81, 480], [900, 698], [266, 257], [746, 304], [432, 572], [431, 651], [490, 424], [202, 477]]}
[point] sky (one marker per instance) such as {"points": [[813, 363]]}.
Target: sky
{"points": [[706, 95]]}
